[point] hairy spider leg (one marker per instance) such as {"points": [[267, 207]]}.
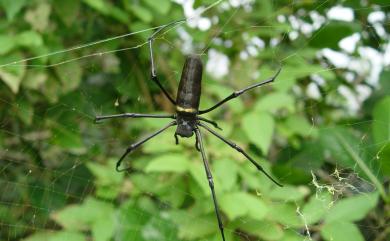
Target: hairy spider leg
{"points": [[239, 149], [152, 63], [139, 143], [134, 115], [237, 93], [210, 179]]}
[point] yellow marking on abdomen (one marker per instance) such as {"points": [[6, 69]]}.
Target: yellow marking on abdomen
{"points": [[187, 110]]}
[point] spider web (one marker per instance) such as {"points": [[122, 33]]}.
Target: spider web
{"points": [[73, 180]]}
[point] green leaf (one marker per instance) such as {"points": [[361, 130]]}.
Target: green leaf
{"points": [[197, 227], [108, 9], [298, 125], [288, 193], [25, 111], [259, 128], [12, 75], [329, 35], [353, 208], [39, 16], [142, 13], [162, 7], [29, 39], [7, 44], [243, 204], [286, 214], [291, 235], [263, 229], [227, 177], [198, 173], [316, 208], [12, 7], [69, 74], [381, 121], [341, 231], [276, 101], [67, 138], [85, 216], [168, 163], [66, 235], [67, 10], [384, 159], [107, 180]]}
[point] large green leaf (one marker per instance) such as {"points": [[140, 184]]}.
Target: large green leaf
{"points": [[259, 127], [341, 231], [381, 122], [352, 209]]}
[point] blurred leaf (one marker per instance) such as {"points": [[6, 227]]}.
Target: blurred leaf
{"points": [[108, 9], [290, 235], [197, 227], [226, 173], [298, 125], [29, 39], [56, 236], [198, 173], [39, 16], [341, 231], [25, 111], [108, 181], [70, 75], [142, 13], [242, 204], [353, 208], [384, 159], [67, 139], [12, 7], [381, 121], [316, 208], [274, 102], [7, 44], [288, 193], [259, 128], [168, 163], [162, 7], [67, 10], [264, 229], [12, 75], [286, 214], [329, 35], [92, 214]]}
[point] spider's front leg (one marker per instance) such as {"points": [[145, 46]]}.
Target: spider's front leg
{"points": [[134, 115], [139, 143]]}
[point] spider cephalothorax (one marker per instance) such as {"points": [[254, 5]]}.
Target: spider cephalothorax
{"points": [[187, 117]]}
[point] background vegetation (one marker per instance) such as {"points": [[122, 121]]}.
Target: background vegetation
{"points": [[315, 128]]}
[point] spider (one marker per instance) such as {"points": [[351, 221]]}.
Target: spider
{"points": [[187, 117]]}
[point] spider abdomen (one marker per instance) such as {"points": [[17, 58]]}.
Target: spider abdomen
{"points": [[188, 94]]}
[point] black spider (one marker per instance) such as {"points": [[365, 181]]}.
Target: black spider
{"points": [[187, 117]]}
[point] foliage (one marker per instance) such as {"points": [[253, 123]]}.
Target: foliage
{"points": [[58, 167]]}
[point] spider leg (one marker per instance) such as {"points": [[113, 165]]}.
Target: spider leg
{"points": [[153, 66], [240, 92], [210, 179], [210, 122], [139, 143], [239, 149], [133, 115]]}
